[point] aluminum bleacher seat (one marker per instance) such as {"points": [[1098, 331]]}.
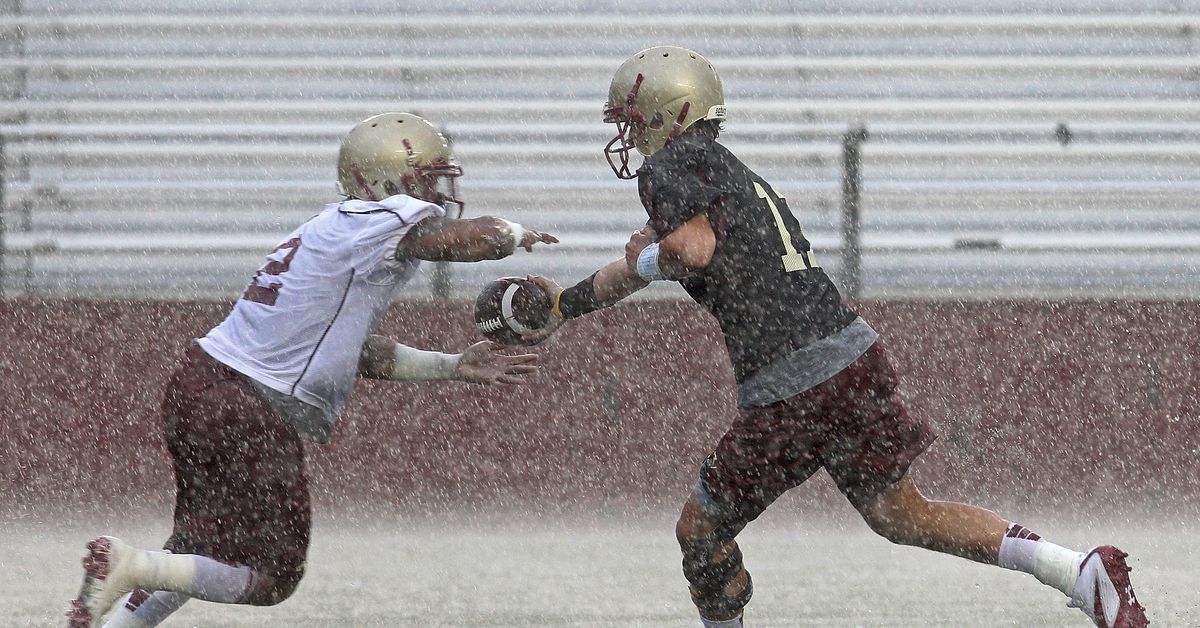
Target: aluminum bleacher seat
{"points": [[158, 149]]}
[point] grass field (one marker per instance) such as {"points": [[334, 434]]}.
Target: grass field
{"points": [[808, 571]]}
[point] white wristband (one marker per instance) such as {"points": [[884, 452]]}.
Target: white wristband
{"points": [[415, 365], [647, 264], [516, 232]]}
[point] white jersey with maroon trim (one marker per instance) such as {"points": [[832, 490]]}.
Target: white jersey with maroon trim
{"points": [[300, 326]]}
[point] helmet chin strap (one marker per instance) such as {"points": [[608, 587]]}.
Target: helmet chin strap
{"points": [[677, 128], [444, 201]]}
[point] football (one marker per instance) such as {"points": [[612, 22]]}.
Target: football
{"points": [[509, 308]]}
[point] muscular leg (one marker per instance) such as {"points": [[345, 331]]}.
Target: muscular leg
{"points": [[901, 514], [712, 563]]}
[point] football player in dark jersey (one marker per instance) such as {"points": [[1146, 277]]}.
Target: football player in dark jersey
{"points": [[815, 388]]}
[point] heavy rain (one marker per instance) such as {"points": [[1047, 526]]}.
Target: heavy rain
{"points": [[875, 245]]}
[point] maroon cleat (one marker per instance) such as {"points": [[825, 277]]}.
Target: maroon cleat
{"points": [[1103, 591], [78, 615]]}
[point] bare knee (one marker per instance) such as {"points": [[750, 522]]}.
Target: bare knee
{"points": [[693, 525], [896, 512]]}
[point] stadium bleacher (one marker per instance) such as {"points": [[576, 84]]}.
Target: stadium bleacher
{"points": [[160, 149]]}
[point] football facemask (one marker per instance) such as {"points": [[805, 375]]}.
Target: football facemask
{"points": [[631, 125], [654, 97], [436, 183]]}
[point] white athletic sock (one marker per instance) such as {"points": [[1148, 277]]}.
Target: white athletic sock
{"points": [[147, 611], [217, 582], [736, 622], [195, 576], [1052, 565]]}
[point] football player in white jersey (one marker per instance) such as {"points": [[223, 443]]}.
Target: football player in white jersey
{"points": [[279, 370]]}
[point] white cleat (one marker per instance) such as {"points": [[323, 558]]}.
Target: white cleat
{"points": [[1103, 591], [107, 575]]}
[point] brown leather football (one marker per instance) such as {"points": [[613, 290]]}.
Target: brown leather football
{"points": [[509, 308]]}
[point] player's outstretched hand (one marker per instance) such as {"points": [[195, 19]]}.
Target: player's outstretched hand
{"points": [[483, 363], [532, 237], [555, 320]]}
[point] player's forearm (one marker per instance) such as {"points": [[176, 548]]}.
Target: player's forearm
{"points": [[615, 282], [467, 240], [383, 358], [476, 239], [606, 287]]}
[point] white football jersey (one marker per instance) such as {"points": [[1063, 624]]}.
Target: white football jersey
{"points": [[300, 326]]}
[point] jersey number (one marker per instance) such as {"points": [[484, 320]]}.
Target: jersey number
{"points": [[264, 287], [793, 260]]}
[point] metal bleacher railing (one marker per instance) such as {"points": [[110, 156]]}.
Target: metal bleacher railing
{"points": [[1005, 155]]}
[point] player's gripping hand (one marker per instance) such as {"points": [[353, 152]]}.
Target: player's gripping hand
{"points": [[483, 363], [555, 320], [640, 239]]}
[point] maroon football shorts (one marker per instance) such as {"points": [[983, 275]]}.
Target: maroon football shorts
{"points": [[853, 424], [241, 491]]}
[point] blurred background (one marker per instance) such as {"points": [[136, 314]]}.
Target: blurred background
{"points": [[1007, 191], [156, 149]]}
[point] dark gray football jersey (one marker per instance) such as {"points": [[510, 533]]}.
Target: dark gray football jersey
{"points": [[764, 284]]}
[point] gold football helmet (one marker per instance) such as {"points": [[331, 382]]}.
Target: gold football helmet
{"points": [[398, 153], [654, 96]]}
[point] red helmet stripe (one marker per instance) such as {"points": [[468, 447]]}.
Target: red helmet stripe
{"points": [[633, 91], [362, 182]]}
